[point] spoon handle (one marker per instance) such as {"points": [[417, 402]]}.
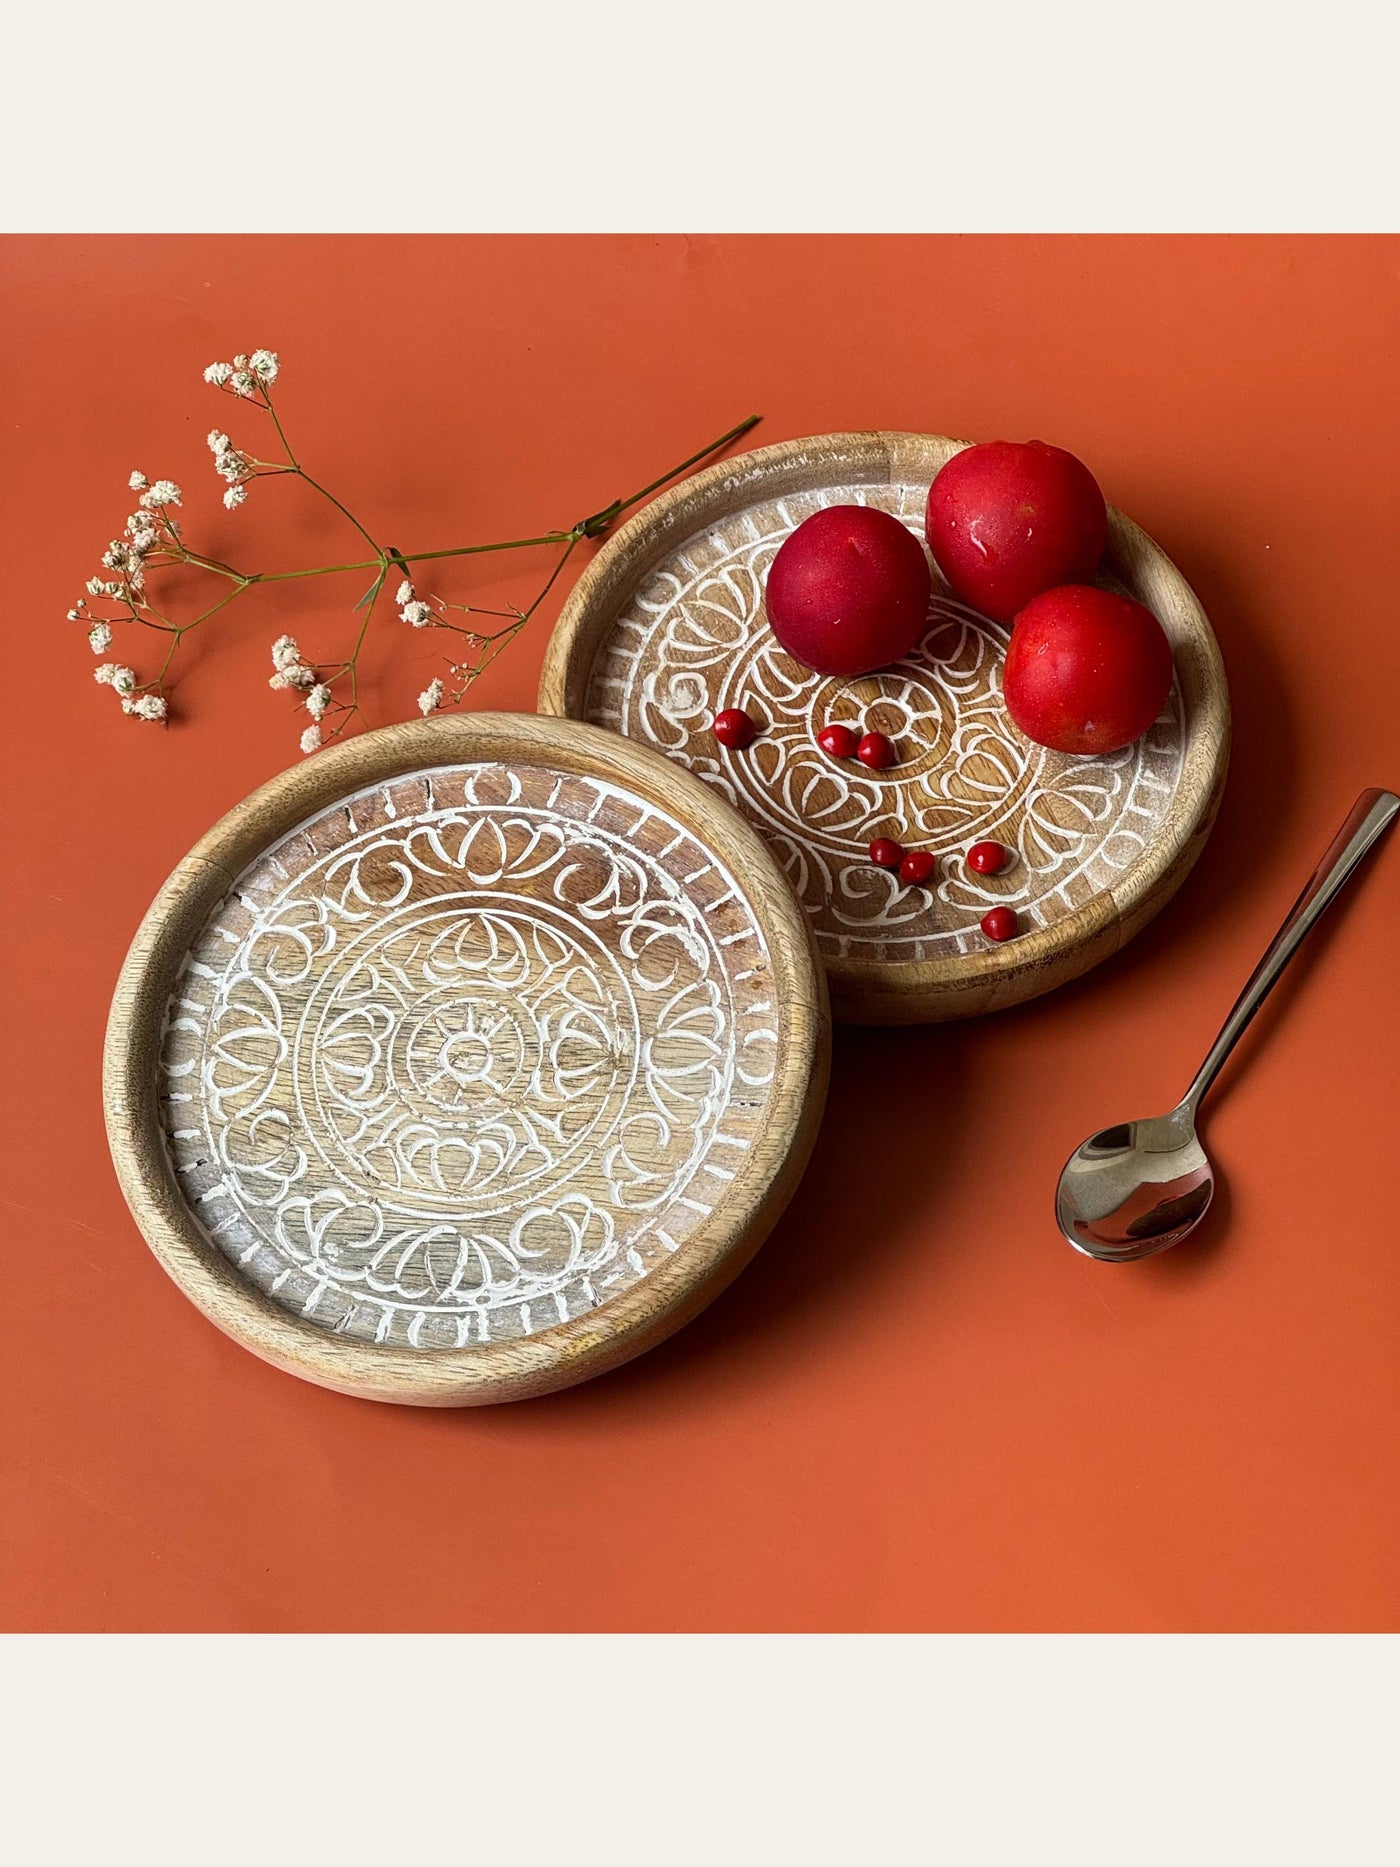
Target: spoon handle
{"points": [[1370, 814]]}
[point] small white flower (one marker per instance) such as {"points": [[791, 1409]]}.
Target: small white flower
{"points": [[310, 739], [230, 461], [76, 615], [263, 364], [111, 589], [418, 615], [163, 493], [218, 374], [405, 593], [112, 674], [138, 482], [99, 637], [243, 385], [121, 556], [431, 698], [240, 363], [146, 707], [295, 676], [285, 653], [95, 587], [318, 700], [235, 496]]}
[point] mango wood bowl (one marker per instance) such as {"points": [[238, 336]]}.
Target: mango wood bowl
{"points": [[466, 1060], [667, 627]]}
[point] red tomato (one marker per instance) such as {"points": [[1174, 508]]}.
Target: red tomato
{"points": [[848, 591], [1009, 519], [1086, 671]]}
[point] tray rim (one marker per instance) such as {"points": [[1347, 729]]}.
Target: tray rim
{"points": [[629, 1323], [965, 985]]}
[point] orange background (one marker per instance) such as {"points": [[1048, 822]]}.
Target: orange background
{"points": [[918, 1409]]}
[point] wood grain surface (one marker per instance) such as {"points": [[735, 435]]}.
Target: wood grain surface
{"points": [[466, 1060], [667, 627]]}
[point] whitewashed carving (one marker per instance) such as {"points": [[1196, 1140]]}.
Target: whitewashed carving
{"points": [[694, 639], [467, 1054]]}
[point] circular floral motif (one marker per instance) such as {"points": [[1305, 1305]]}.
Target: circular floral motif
{"points": [[454, 1061], [456, 1047], [693, 639]]}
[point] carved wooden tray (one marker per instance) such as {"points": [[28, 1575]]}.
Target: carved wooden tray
{"points": [[466, 1060], [667, 626]]}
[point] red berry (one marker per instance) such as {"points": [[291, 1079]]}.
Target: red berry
{"points": [[1001, 924], [734, 728], [876, 751], [885, 853], [987, 858], [916, 868], [838, 741]]}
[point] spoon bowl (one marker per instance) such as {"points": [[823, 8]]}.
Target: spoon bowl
{"points": [[1135, 1189]]}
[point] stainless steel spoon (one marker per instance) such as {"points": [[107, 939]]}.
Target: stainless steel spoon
{"points": [[1133, 1190]]}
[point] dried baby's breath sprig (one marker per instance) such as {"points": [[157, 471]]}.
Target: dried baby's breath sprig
{"points": [[153, 541]]}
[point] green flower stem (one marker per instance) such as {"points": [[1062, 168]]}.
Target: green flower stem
{"points": [[507, 544], [339, 508], [320, 570], [600, 521], [296, 467], [352, 667]]}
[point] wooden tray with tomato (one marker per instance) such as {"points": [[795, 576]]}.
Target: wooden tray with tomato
{"points": [[979, 717]]}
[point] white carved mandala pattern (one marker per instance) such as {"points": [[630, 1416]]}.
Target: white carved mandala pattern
{"points": [[465, 1055], [693, 639]]}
